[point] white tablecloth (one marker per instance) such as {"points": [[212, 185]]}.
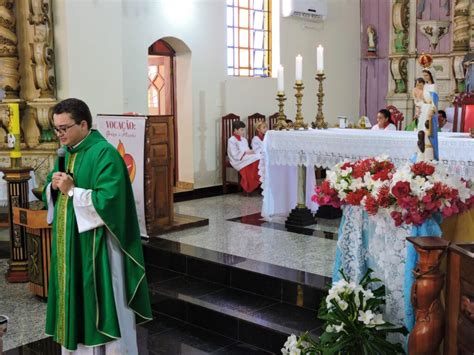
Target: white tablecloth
{"points": [[284, 150]]}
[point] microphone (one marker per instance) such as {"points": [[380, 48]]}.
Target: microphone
{"points": [[61, 160]]}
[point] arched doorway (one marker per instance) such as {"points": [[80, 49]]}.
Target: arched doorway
{"points": [[161, 88], [170, 93]]}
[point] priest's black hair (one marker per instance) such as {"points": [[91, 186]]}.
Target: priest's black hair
{"points": [[78, 110], [237, 125]]}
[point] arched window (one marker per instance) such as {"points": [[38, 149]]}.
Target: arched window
{"points": [[249, 37]]}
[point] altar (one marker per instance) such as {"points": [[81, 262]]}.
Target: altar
{"points": [[285, 150]]}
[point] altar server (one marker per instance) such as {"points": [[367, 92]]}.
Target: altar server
{"points": [[384, 121], [242, 158], [257, 140], [98, 290]]}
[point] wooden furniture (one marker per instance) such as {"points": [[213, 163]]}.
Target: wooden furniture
{"points": [[463, 112], [159, 162], [38, 246], [272, 120], [226, 133], [252, 122], [428, 332], [397, 116], [459, 330]]}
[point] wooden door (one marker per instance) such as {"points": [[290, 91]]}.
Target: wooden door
{"points": [[159, 163]]}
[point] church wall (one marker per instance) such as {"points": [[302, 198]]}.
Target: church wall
{"points": [[109, 41]]}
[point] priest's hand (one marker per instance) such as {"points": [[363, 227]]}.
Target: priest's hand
{"points": [[64, 182], [249, 152]]}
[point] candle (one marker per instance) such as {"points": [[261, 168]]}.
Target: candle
{"points": [[14, 128], [14, 118], [281, 82], [299, 68], [319, 60]]}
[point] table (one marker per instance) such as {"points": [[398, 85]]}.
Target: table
{"points": [[284, 150]]}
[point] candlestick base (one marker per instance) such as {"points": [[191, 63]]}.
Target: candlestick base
{"points": [[281, 123], [299, 217], [299, 120], [319, 122]]}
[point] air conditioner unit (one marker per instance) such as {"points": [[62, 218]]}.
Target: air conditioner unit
{"points": [[311, 10]]}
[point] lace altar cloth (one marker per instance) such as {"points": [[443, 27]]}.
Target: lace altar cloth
{"points": [[374, 242], [326, 148]]}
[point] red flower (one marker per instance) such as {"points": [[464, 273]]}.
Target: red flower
{"points": [[383, 197], [382, 175], [371, 205], [397, 217], [354, 198], [422, 169], [346, 165], [401, 189]]}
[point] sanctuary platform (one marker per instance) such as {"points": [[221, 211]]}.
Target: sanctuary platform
{"points": [[239, 285]]}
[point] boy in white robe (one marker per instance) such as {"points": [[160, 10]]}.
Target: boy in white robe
{"points": [[257, 140], [242, 158]]}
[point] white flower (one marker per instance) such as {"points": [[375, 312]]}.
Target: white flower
{"points": [[365, 317], [338, 328], [291, 346], [343, 305], [343, 184], [330, 329], [377, 320], [368, 294], [346, 172]]}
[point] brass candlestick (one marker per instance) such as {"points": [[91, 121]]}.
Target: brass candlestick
{"points": [[281, 123], [319, 122], [299, 120]]}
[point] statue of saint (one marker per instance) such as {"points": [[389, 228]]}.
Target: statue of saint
{"points": [[371, 40]]}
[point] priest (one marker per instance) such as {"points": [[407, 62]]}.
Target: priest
{"points": [[98, 290]]}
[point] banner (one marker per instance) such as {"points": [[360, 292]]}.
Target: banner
{"points": [[127, 134]]}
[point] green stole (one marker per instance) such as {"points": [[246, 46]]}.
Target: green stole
{"points": [[81, 307]]}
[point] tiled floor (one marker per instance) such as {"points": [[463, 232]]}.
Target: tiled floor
{"points": [[279, 247]]}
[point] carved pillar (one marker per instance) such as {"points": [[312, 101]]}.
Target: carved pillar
{"points": [[471, 39], [461, 30], [9, 74], [42, 49], [400, 22], [42, 55], [428, 333], [398, 69]]}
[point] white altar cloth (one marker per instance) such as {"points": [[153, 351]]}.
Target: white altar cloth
{"points": [[284, 150]]}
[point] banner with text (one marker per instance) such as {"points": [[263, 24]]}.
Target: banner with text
{"points": [[127, 134]]}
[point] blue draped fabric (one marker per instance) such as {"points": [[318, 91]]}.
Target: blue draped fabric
{"points": [[433, 137], [430, 228]]}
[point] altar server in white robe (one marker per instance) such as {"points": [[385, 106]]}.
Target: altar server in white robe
{"points": [[257, 140], [384, 121], [242, 158]]}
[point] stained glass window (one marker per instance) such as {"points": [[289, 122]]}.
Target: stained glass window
{"points": [[249, 37]]}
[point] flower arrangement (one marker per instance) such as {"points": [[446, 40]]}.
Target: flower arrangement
{"points": [[411, 194], [354, 322], [349, 183]]}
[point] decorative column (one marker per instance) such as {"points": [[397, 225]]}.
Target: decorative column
{"points": [[398, 69], [400, 16], [428, 333], [9, 74], [462, 26], [42, 56]]}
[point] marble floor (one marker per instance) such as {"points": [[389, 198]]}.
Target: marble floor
{"points": [[275, 246]]}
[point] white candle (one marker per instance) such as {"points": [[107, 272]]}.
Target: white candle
{"points": [[299, 68], [281, 81], [319, 59]]}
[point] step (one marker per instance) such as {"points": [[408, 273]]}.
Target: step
{"points": [[234, 313], [250, 301], [225, 268]]}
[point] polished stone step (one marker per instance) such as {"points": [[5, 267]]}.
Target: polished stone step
{"points": [[234, 313], [230, 270], [165, 336]]}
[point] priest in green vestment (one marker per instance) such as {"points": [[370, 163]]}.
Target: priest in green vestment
{"points": [[98, 291]]}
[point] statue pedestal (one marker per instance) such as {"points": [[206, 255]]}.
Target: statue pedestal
{"points": [[17, 179]]}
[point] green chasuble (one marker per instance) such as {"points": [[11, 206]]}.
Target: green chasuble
{"points": [[81, 307]]}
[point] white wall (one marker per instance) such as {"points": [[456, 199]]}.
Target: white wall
{"points": [[107, 43]]}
